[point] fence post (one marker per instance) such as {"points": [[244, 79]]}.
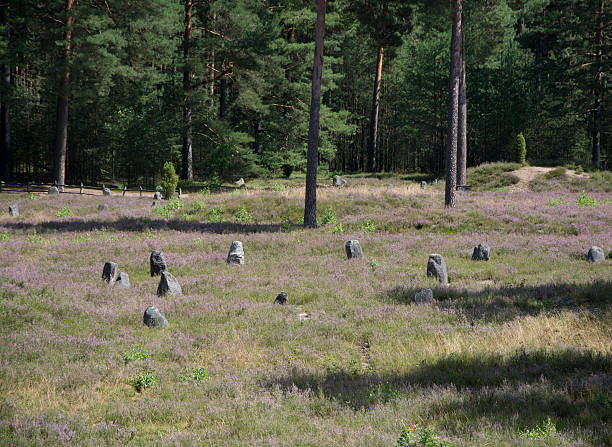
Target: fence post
{"points": [[180, 196], [124, 190], [81, 190], [140, 192]]}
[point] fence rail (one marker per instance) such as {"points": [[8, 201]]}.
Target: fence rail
{"points": [[42, 187]]}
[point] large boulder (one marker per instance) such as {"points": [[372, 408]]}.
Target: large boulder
{"points": [[595, 254], [123, 280], [424, 296], [236, 253], [339, 181], [53, 190], [482, 252], [110, 272], [168, 284], [14, 210], [436, 267], [281, 298], [153, 317], [157, 261], [353, 249]]}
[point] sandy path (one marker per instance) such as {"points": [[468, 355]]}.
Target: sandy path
{"points": [[527, 173]]}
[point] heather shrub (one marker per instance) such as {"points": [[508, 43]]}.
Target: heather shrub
{"points": [[136, 353], [4, 237], [558, 172], [169, 180], [243, 215], [520, 149], [329, 218], [546, 429], [65, 211], [416, 436], [143, 380], [492, 176]]}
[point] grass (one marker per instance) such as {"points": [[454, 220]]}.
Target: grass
{"points": [[511, 349], [491, 176]]}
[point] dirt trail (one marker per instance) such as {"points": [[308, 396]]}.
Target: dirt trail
{"points": [[527, 173]]}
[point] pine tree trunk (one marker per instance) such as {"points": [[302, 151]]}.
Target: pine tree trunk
{"points": [[222, 96], [374, 117], [597, 90], [5, 127], [462, 118], [187, 150], [310, 202], [61, 123], [453, 103]]}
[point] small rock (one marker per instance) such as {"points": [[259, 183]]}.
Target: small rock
{"points": [[339, 181], [14, 210], [157, 261], [157, 196], [353, 249], [61, 189], [102, 207], [236, 253], [240, 183], [424, 296], [106, 191], [436, 267], [595, 254], [423, 185], [168, 284], [482, 252], [303, 316], [53, 190], [281, 298], [123, 280], [110, 272], [153, 317]]}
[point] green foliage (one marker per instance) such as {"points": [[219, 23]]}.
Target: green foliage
{"points": [[4, 236], [194, 374], [383, 392], [368, 226], [373, 264], [416, 436], [65, 211], [285, 226], [520, 149], [586, 200], [555, 202], [169, 208], [491, 176], [215, 214], [36, 238], [559, 172], [136, 353], [32, 196], [243, 216], [338, 229], [143, 380], [169, 180], [546, 429], [329, 218]]}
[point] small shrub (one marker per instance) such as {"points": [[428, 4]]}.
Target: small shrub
{"points": [[585, 200], [215, 214], [368, 225], [32, 196], [197, 207], [243, 215], [136, 353], [198, 375], [329, 218], [520, 148], [373, 264], [4, 237], [143, 381], [285, 226], [554, 202], [169, 180], [65, 211], [338, 229], [558, 172], [383, 392], [416, 436], [545, 430]]}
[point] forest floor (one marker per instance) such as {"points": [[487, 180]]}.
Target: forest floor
{"points": [[515, 351]]}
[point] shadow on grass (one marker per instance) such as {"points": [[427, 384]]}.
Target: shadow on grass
{"points": [[521, 390], [143, 224], [505, 303]]}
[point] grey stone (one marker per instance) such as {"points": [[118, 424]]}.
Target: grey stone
{"points": [[436, 267], [102, 207], [423, 185], [53, 190], [110, 272], [353, 249], [303, 316], [236, 253], [123, 280], [424, 296], [14, 210], [339, 181], [153, 317], [157, 261], [240, 183], [595, 254], [61, 189], [482, 252], [435, 182], [106, 191], [154, 204], [157, 196], [281, 298], [168, 284]]}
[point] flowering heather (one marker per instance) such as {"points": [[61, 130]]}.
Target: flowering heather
{"points": [[511, 344]]}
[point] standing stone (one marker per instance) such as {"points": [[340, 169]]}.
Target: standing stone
{"points": [[81, 189], [14, 210], [339, 181], [140, 190], [106, 191], [180, 194], [236, 253], [482, 252], [168, 284], [157, 196], [353, 249], [281, 298], [53, 190], [435, 182], [423, 185], [110, 272], [103, 207], [595, 254], [158, 263], [436, 267], [153, 317], [424, 296], [123, 280], [240, 183]]}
